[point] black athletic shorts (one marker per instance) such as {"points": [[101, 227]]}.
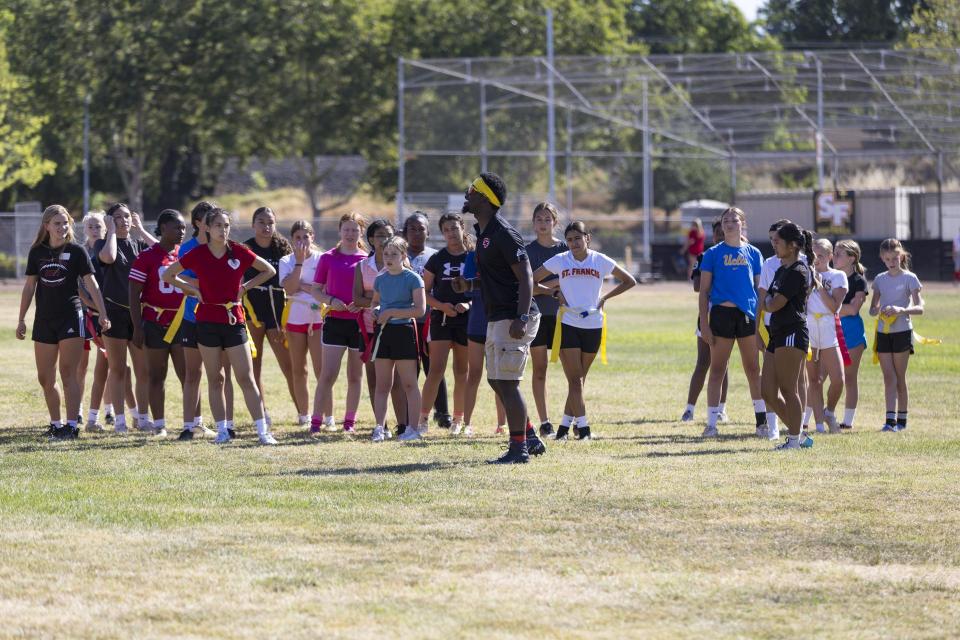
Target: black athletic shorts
{"points": [[268, 316], [544, 337], [153, 335], [187, 335], [731, 323], [223, 336], [587, 340], [121, 326], [895, 342], [473, 337], [798, 338], [454, 330], [399, 342], [340, 332], [53, 330]]}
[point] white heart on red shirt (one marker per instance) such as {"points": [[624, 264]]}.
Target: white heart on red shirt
{"points": [[234, 263]]}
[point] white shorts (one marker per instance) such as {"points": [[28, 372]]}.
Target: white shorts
{"points": [[823, 331]]}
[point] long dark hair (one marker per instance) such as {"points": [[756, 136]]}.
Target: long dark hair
{"points": [[468, 241], [279, 246], [794, 234], [199, 212], [213, 213]]}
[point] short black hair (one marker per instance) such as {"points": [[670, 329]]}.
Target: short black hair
{"points": [[414, 216], [165, 216], [376, 224], [496, 185]]}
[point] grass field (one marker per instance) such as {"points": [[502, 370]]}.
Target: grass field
{"points": [[645, 532]]}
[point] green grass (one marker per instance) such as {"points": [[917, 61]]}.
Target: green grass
{"points": [[645, 532]]}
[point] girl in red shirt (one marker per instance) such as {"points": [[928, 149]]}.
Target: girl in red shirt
{"points": [[219, 267]]}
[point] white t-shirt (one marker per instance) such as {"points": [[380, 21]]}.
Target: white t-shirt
{"points": [[767, 271], [302, 304], [580, 283], [831, 279]]}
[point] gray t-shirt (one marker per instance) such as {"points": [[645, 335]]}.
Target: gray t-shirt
{"points": [[538, 254], [896, 290]]}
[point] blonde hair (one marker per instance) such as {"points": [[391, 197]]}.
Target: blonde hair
{"points": [[400, 245], [851, 248], [353, 216], [43, 236], [97, 216], [892, 245], [824, 244]]}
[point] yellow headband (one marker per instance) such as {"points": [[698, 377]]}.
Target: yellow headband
{"points": [[480, 185]]}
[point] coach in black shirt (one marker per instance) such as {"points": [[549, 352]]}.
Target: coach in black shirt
{"points": [[506, 283]]}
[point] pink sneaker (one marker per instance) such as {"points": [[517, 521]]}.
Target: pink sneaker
{"points": [[348, 427]]}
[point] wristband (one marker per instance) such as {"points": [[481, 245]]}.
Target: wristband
{"points": [[299, 264]]}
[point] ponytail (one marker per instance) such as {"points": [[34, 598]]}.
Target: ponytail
{"points": [[892, 245], [851, 248], [808, 246]]}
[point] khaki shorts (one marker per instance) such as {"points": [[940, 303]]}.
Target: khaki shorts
{"points": [[506, 356]]}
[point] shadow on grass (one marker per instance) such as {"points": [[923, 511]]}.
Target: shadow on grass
{"points": [[655, 439], [695, 452], [413, 467]]}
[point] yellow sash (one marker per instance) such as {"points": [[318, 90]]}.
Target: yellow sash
{"points": [[762, 328], [555, 347], [176, 322], [250, 312]]}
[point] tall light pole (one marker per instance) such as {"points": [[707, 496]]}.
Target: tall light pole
{"points": [[86, 154]]}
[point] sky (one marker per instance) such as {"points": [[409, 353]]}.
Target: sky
{"points": [[749, 8]]}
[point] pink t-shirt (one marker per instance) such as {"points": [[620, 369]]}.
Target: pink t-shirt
{"points": [[336, 271]]}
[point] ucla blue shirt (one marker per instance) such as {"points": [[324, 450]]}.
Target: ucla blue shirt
{"points": [[734, 270], [189, 310]]}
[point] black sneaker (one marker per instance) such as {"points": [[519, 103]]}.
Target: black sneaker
{"points": [[576, 432], [583, 433], [109, 419], [562, 432], [74, 432], [516, 454], [546, 429], [845, 427], [400, 429], [443, 420], [64, 432], [535, 445], [186, 434], [233, 434]]}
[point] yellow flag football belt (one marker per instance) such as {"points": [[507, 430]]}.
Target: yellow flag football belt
{"points": [[480, 185], [887, 322], [555, 347]]}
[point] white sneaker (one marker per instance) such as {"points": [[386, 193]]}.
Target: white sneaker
{"points": [[303, 421], [687, 416], [222, 438], [723, 417], [821, 428], [267, 438], [120, 429], [833, 425], [203, 431], [410, 433], [378, 434], [423, 428], [774, 433], [144, 425], [789, 443], [467, 431], [160, 433], [329, 424], [710, 432], [456, 428], [763, 431]]}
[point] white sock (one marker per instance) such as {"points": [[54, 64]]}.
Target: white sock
{"points": [[222, 426], [582, 421], [57, 423], [120, 421], [261, 426], [328, 420], [229, 424], [93, 415], [772, 421], [690, 408], [722, 407], [159, 423], [820, 427], [807, 412], [197, 420], [848, 415], [306, 419], [759, 406], [713, 414], [108, 408], [828, 414], [566, 420]]}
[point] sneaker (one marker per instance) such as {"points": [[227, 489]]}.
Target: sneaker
{"points": [[806, 442], [315, 429], [204, 431], [349, 428], [144, 425], [443, 420], [223, 437], [93, 427], [576, 430], [845, 427], [687, 416], [400, 429], [546, 429], [583, 433], [763, 431], [516, 454], [423, 427], [185, 435], [890, 428], [456, 428], [160, 433], [232, 433], [303, 421], [378, 434], [832, 424], [821, 428], [774, 433], [901, 427], [329, 424], [789, 443], [410, 434], [535, 446], [723, 417], [500, 430], [562, 433], [108, 419], [64, 432], [387, 433], [267, 438], [120, 429], [467, 431], [710, 432]]}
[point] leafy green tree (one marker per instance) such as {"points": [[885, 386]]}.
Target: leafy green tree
{"points": [[693, 26], [838, 21]]}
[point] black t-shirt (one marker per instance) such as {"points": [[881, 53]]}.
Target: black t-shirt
{"points": [[538, 254], [793, 283], [115, 277], [445, 267], [696, 267], [58, 271], [855, 283], [499, 246], [272, 255]]}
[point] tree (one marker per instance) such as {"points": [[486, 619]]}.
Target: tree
{"points": [[21, 161], [693, 26], [935, 25], [838, 21]]}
